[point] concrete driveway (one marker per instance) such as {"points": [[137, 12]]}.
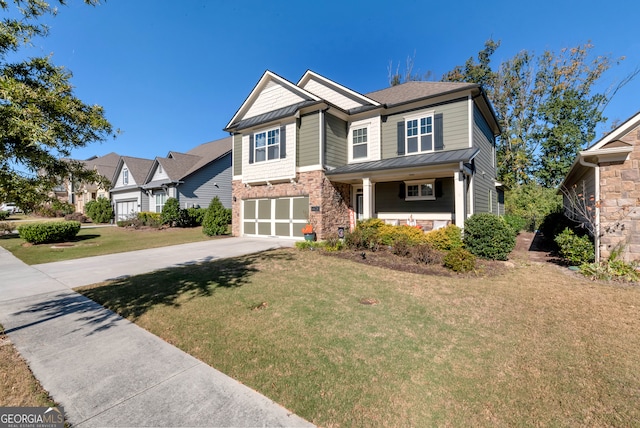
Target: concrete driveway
{"points": [[105, 370]]}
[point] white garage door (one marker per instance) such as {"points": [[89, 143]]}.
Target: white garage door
{"points": [[282, 217], [126, 209]]}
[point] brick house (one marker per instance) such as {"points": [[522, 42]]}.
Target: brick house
{"points": [[602, 190], [322, 153]]}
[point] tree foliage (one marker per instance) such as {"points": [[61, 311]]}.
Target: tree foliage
{"points": [[546, 105], [41, 120]]}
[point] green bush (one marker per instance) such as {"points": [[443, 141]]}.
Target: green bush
{"points": [[41, 233], [192, 217], [150, 219], [333, 243], [100, 210], [576, 250], [532, 202], [516, 222], [460, 260], [4, 215], [488, 236], [171, 212], [217, 219], [554, 223], [308, 245], [62, 208], [445, 238]]}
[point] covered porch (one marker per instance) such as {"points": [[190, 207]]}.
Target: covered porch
{"points": [[429, 190]]}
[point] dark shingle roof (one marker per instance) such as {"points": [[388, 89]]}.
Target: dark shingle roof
{"points": [[138, 167], [272, 115], [411, 91], [427, 159]]}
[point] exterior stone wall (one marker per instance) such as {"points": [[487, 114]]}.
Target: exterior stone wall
{"points": [[333, 200], [620, 203]]}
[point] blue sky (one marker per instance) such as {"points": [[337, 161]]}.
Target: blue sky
{"points": [[170, 74]]}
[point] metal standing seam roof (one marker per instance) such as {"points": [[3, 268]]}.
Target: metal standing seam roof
{"points": [[272, 115], [410, 161]]}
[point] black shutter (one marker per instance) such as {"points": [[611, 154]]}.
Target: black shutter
{"points": [[401, 138], [251, 148], [283, 142], [437, 130], [438, 188], [401, 190]]}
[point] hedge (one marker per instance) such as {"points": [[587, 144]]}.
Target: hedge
{"points": [[42, 233]]}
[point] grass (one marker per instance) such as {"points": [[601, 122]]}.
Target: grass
{"points": [[18, 386], [344, 345], [99, 241]]}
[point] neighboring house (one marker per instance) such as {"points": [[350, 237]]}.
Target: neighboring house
{"points": [[320, 152], [79, 193], [128, 197], [602, 190], [86, 192], [194, 178]]}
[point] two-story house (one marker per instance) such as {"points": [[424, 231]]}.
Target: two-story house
{"points": [[319, 152]]}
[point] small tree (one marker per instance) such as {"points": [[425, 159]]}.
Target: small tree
{"points": [[171, 212], [216, 219], [99, 210]]}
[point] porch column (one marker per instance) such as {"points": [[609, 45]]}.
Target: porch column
{"points": [[367, 198], [460, 201]]}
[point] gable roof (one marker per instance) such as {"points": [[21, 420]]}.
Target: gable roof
{"points": [[103, 165], [618, 132], [138, 168], [178, 166], [266, 78], [335, 93]]}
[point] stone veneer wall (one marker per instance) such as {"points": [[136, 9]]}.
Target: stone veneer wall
{"points": [[333, 200], [620, 202]]}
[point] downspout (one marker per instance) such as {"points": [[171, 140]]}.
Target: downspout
{"points": [[596, 232]]}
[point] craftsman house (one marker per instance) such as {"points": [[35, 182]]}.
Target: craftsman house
{"points": [[193, 178], [320, 153], [602, 191]]}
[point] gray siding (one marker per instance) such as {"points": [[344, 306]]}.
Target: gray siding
{"points": [[308, 152], [200, 187], [583, 183], [336, 141], [454, 121], [390, 198], [144, 200], [485, 197], [237, 154]]}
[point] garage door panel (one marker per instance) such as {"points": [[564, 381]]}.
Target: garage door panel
{"points": [[283, 217]]}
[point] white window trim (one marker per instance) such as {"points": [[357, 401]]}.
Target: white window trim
{"points": [[125, 176], [417, 117], [266, 147], [418, 183], [353, 128]]}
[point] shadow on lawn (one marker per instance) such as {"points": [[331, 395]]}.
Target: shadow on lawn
{"points": [[131, 297]]}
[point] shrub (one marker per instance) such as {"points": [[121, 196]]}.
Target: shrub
{"points": [[516, 222], [6, 227], [4, 215], [171, 212], [45, 211], [575, 249], [333, 243], [100, 210], [76, 217], [554, 223], [192, 217], [133, 222], [426, 253], [62, 208], [488, 236], [460, 260], [150, 219], [308, 245], [446, 238], [40, 233], [216, 219]]}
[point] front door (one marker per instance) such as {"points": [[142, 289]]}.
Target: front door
{"points": [[359, 204]]}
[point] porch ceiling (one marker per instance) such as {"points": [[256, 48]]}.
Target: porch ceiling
{"points": [[437, 164]]}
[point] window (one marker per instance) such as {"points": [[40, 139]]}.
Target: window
{"points": [[359, 143], [159, 169], [419, 134], [267, 145], [420, 190], [161, 198], [125, 176]]}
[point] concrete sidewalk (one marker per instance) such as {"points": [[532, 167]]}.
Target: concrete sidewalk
{"points": [[106, 371]]}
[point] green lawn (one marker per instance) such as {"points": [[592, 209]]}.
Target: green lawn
{"points": [[99, 241], [531, 346]]}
